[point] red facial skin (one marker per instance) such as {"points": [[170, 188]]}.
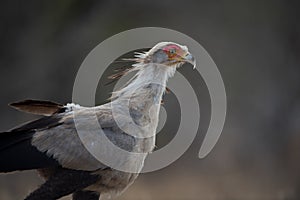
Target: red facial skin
{"points": [[176, 54]]}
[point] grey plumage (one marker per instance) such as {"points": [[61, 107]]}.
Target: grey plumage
{"points": [[129, 121]]}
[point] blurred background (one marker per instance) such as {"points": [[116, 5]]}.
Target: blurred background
{"points": [[255, 44]]}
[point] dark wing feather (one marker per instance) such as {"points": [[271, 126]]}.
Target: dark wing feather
{"points": [[22, 155], [38, 107], [16, 150]]}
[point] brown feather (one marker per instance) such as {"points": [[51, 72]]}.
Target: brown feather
{"points": [[37, 107], [168, 91], [119, 73]]}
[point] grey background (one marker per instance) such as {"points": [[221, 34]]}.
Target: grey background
{"points": [[255, 44]]}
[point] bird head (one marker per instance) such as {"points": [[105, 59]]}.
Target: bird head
{"points": [[169, 54]]}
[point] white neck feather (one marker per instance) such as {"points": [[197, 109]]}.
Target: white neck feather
{"points": [[147, 74]]}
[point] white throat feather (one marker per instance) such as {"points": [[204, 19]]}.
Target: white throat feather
{"points": [[146, 73]]}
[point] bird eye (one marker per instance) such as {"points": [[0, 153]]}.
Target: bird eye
{"points": [[172, 51]]}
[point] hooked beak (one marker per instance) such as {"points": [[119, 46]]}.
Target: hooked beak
{"points": [[189, 58]]}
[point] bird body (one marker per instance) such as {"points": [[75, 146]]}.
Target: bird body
{"points": [[54, 146]]}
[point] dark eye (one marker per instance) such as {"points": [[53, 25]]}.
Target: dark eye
{"points": [[172, 51]]}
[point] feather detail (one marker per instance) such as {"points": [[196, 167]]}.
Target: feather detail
{"points": [[168, 91], [139, 57], [38, 107]]}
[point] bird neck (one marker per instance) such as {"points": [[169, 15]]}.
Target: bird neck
{"points": [[144, 93], [148, 83]]}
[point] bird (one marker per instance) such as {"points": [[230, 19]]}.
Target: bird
{"points": [[51, 144]]}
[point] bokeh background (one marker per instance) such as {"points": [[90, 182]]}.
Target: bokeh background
{"points": [[255, 44]]}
